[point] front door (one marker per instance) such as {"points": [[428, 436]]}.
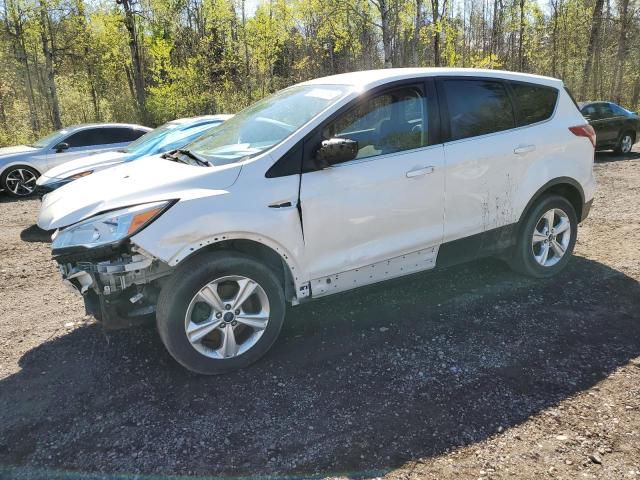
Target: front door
{"points": [[381, 214], [605, 123]]}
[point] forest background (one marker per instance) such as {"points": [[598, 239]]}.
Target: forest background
{"points": [[149, 61]]}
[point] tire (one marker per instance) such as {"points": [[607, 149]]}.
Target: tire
{"points": [[528, 253], [180, 306], [19, 181], [625, 144]]}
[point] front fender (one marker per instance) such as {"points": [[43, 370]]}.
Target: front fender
{"points": [[193, 224], [21, 161]]}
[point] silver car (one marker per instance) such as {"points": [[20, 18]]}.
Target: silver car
{"points": [[20, 166]]}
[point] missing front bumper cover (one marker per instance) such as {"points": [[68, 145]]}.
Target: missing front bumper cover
{"points": [[108, 286]]}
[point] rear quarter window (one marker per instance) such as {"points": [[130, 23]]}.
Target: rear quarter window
{"points": [[533, 103]]}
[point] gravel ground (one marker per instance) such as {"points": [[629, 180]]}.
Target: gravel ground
{"points": [[470, 372]]}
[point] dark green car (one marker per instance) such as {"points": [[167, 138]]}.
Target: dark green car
{"points": [[616, 128]]}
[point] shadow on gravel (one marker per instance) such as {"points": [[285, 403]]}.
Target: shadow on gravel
{"points": [[36, 234], [4, 198], [605, 157], [361, 381]]}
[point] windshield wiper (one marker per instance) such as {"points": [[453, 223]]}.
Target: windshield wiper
{"points": [[172, 157], [201, 161]]}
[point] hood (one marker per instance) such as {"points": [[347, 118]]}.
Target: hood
{"points": [[9, 151], [97, 161], [147, 180]]}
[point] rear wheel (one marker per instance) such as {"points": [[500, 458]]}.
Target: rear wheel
{"points": [[219, 312], [625, 144], [19, 180], [546, 238]]}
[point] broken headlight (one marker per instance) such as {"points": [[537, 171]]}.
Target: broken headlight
{"points": [[110, 227]]}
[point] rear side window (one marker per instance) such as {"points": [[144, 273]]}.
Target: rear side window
{"points": [[533, 103], [103, 136], [477, 107], [118, 135]]}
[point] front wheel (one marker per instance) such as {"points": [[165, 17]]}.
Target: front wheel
{"points": [[220, 311], [546, 238], [19, 180]]}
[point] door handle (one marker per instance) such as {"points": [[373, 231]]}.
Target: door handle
{"points": [[281, 205], [522, 149], [418, 172]]}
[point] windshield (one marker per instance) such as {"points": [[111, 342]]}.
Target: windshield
{"points": [[50, 139], [172, 140], [147, 141], [265, 123]]}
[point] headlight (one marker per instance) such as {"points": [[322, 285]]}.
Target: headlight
{"points": [[110, 227], [79, 175]]}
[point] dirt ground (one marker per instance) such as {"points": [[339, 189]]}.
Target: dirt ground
{"points": [[470, 372]]}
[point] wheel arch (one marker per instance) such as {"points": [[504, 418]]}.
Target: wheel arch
{"points": [[264, 249], [630, 128], [4, 170], [566, 187], [19, 163]]}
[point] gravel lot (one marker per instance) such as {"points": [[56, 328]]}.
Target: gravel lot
{"points": [[463, 373]]}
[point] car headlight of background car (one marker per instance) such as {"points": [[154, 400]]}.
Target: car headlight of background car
{"points": [[79, 175], [107, 228]]}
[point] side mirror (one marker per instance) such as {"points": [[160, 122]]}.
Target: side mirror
{"points": [[61, 147], [336, 150]]}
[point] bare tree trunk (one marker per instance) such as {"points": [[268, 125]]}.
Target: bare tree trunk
{"points": [[621, 56], [91, 75], [48, 46], [387, 37], [21, 54], [246, 53], [554, 34], [596, 22], [136, 58], [521, 38], [496, 29], [416, 34], [436, 34]]}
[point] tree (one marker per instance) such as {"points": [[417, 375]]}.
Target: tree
{"points": [[596, 22]]}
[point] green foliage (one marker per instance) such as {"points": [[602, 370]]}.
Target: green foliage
{"points": [[202, 56]]}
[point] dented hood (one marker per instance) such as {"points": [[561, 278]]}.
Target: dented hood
{"points": [[146, 180]]}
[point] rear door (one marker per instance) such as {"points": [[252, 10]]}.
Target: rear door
{"points": [[487, 154], [384, 209]]}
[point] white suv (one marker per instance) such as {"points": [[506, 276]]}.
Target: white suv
{"points": [[322, 187]]}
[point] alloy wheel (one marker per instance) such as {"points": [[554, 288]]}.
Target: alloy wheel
{"points": [[21, 182], [626, 144], [227, 317], [551, 237]]}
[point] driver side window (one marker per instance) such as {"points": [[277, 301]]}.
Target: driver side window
{"points": [[390, 122]]}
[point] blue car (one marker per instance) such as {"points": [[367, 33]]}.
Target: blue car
{"points": [[168, 137]]}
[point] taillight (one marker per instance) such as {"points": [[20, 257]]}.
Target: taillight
{"points": [[585, 131]]}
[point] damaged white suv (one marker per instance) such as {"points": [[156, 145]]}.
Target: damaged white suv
{"points": [[322, 187]]}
